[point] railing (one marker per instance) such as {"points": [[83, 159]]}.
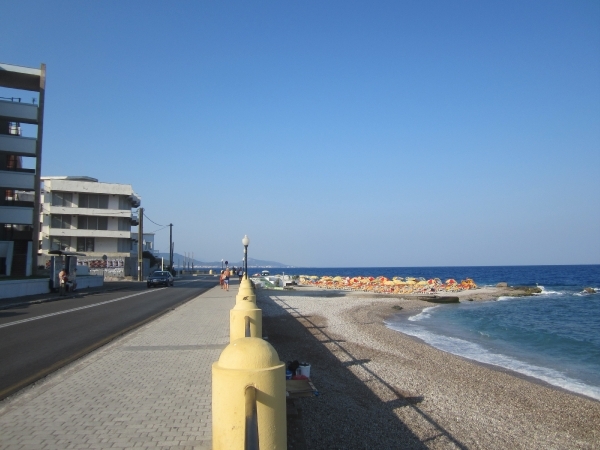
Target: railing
{"points": [[251, 433]]}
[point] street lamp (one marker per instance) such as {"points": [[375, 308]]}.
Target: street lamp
{"points": [[221, 264], [245, 242]]}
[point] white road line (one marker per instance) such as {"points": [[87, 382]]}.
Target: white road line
{"points": [[86, 307]]}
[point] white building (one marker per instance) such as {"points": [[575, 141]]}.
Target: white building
{"points": [[148, 243], [83, 215]]}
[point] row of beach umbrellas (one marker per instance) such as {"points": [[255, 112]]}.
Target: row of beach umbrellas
{"points": [[404, 285]]}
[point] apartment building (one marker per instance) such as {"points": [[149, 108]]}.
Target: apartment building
{"points": [[20, 166], [81, 214]]}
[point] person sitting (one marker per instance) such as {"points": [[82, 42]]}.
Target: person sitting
{"points": [[62, 282]]}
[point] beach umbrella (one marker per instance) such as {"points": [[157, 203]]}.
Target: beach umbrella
{"points": [[450, 281], [422, 283], [314, 277], [388, 283], [411, 281], [338, 278]]}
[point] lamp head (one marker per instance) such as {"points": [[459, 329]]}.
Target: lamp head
{"points": [[245, 241]]}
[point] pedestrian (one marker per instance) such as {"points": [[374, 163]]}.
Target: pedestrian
{"points": [[226, 279], [240, 273], [222, 279], [62, 282]]}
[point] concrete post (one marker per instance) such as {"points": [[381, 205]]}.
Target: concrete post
{"points": [[248, 362], [237, 320], [245, 305]]}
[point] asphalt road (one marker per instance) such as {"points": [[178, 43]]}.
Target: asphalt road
{"points": [[36, 340]]}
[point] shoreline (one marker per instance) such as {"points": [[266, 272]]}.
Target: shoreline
{"points": [[438, 399]]}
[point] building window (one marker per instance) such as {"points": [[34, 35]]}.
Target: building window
{"points": [[62, 199], [124, 203], [85, 244], [124, 224], [60, 221], [124, 245], [60, 242], [97, 201], [92, 223]]}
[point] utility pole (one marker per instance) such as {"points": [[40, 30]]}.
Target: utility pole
{"points": [[171, 246], [140, 244]]}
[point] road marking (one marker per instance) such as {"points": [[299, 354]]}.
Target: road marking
{"points": [[17, 322]]}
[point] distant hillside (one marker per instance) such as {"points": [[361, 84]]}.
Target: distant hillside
{"points": [[179, 259]]}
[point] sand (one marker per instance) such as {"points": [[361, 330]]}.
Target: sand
{"points": [[381, 389]]}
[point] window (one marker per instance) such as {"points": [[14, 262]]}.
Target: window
{"points": [[62, 199], [60, 242], [98, 201], [124, 203], [124, 245], [124, 224], [85, 244], [60, 221], [92, 223]]}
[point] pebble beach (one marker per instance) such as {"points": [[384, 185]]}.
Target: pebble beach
{"points": [[382, 389]]}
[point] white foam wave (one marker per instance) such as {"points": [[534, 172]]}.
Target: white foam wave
{"points": [[545, 292], [476, 352], [422, 315]]}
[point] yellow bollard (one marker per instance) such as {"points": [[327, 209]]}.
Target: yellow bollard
{"points": [[237, 320], [246, 290], [248, 362]]}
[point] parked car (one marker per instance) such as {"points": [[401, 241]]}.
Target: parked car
{"points": [[162, 277]]}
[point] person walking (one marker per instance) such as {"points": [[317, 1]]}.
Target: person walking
{"points": [[222, 279], [226, 279], [240, 273]]}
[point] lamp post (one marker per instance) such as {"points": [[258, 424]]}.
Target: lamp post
{"points": [[245, 242], [221, 264]]}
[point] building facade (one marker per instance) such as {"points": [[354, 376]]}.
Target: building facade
{"points": [[20, 167], [81, 214]]}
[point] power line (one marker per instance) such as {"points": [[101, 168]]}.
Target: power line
{"points": [[157, 224]]}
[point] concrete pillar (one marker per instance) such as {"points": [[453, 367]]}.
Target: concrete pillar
{"points": [[248, 362], [237, 320]]}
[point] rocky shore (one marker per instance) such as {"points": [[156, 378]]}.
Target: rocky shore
{"points": [[380, 389]]}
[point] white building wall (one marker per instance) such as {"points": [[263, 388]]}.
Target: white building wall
{"points": [[106, 246]]}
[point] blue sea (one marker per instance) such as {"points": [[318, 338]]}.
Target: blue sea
{"points": [[553, 336]]}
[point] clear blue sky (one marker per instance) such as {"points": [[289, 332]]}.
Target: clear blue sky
{"points": [[332, 133]]}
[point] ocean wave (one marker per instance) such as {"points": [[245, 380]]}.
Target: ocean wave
{"points": [[476, 352], [545, 292], [422, 315]]}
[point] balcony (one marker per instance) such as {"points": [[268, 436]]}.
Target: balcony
{"points": [[89, 233], [135, 220], [18, 179], [75, 211], [18, 112], [16, 215], [16, 145], [136, 200]]}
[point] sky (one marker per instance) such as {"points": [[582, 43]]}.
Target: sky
{"points": [[336, 133]]}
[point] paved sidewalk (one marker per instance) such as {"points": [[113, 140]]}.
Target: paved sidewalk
{"points": [[148, 389]]}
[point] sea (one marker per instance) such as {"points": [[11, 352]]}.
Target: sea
{"points": [[553, 336]]}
